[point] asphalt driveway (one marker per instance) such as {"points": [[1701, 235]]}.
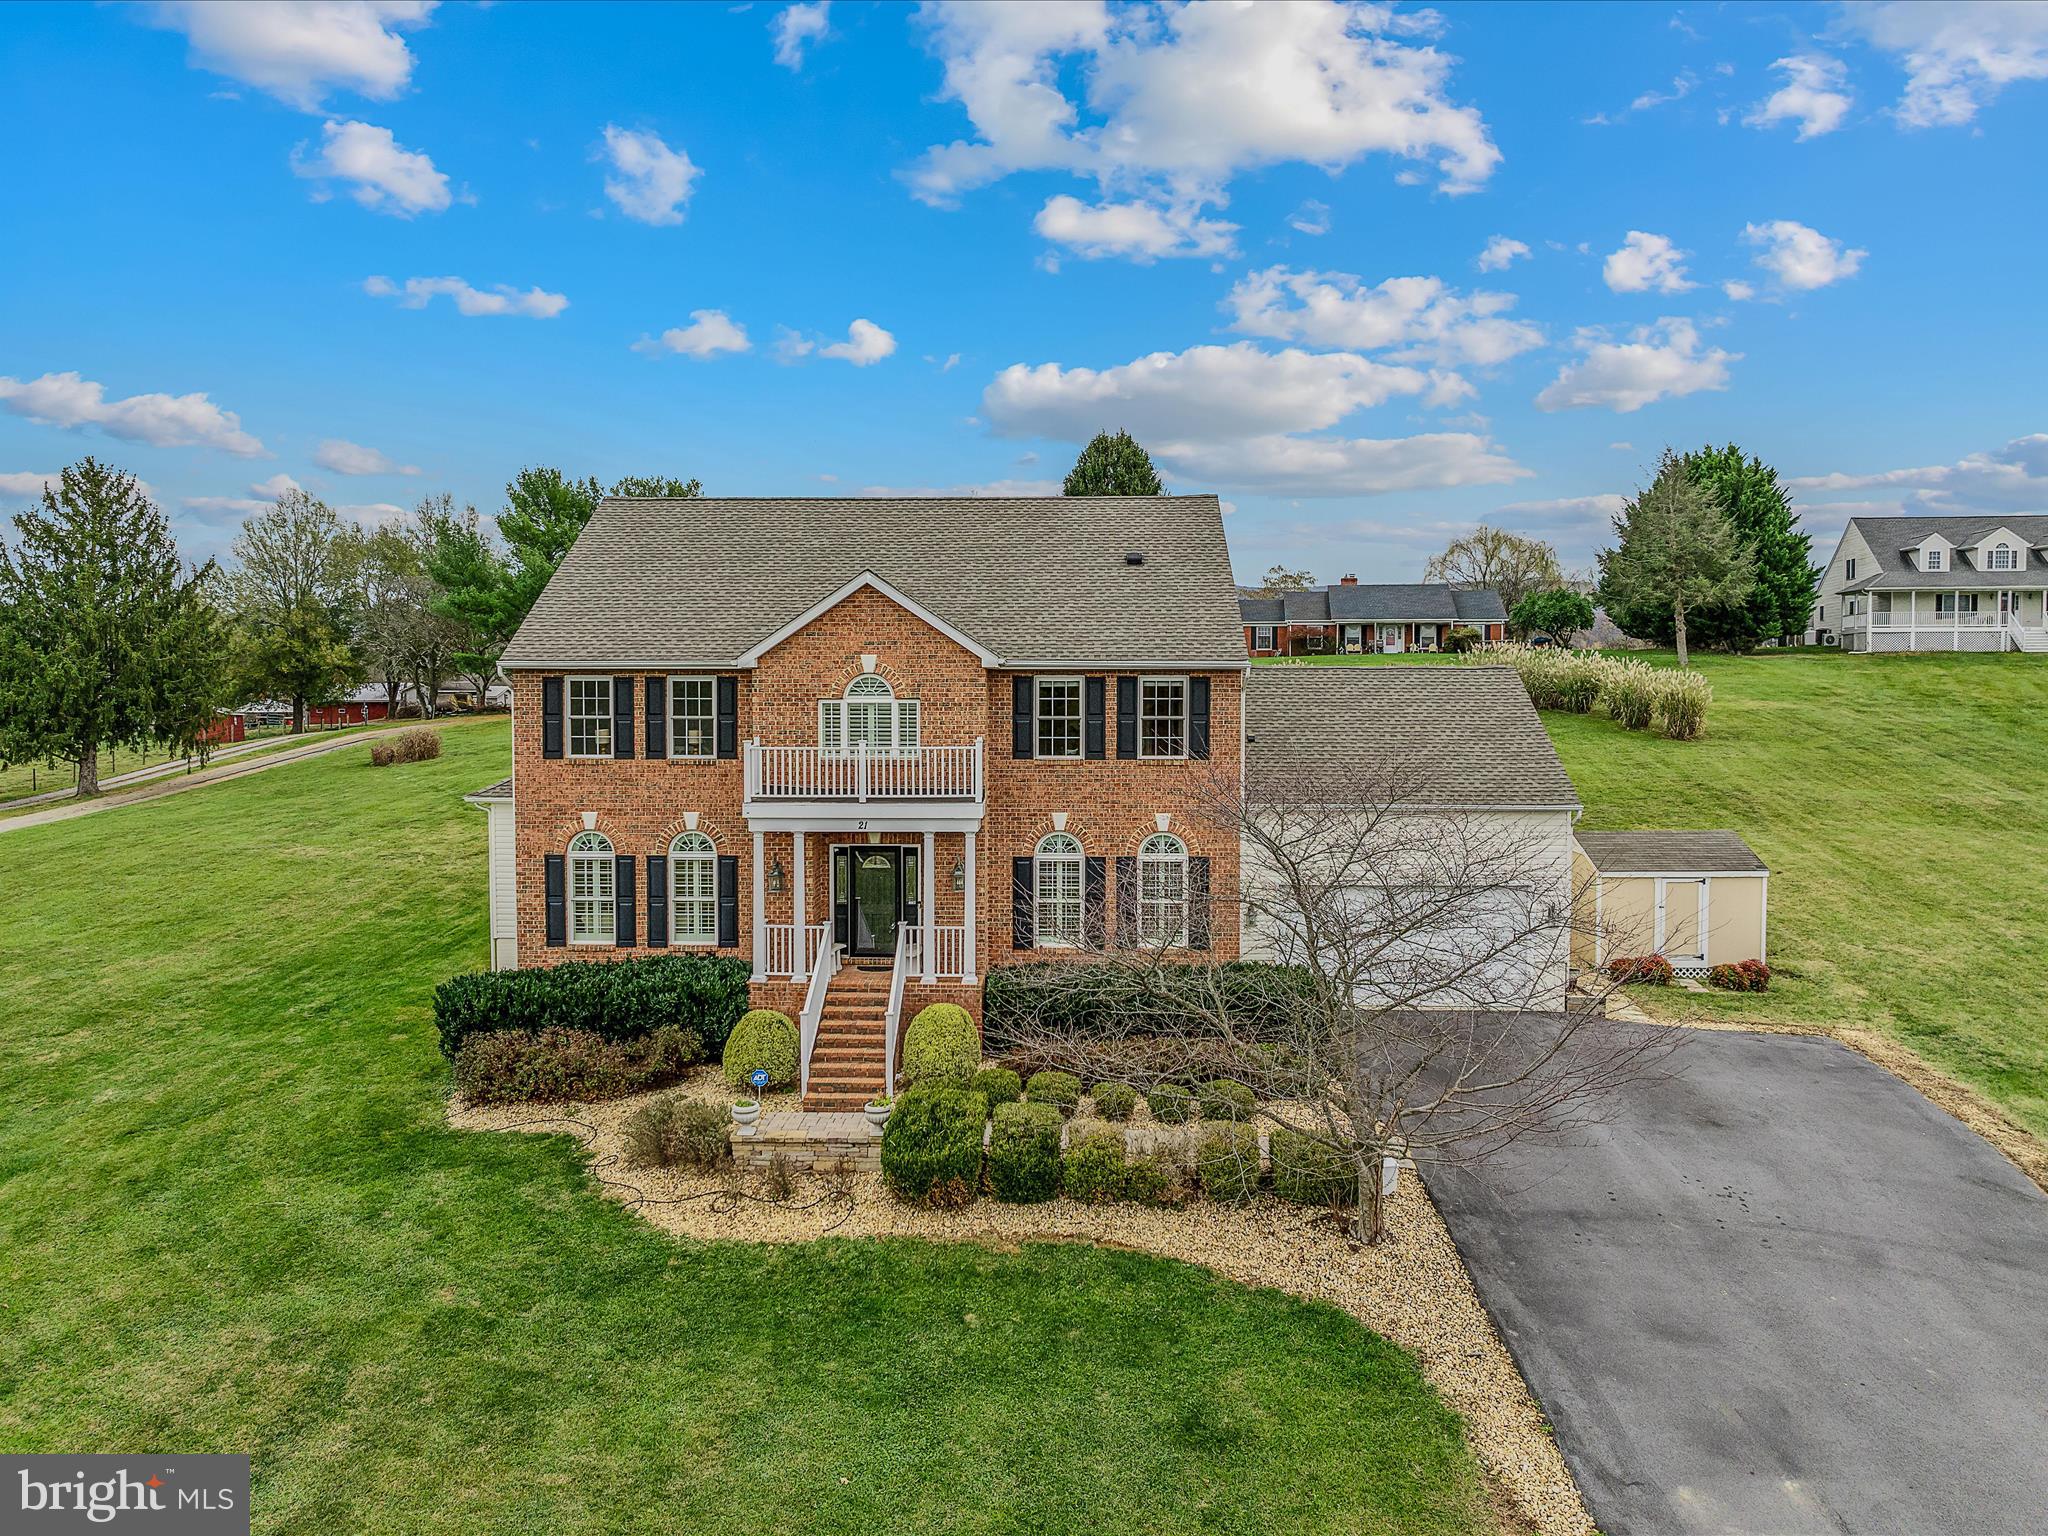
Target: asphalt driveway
{"points": [[1777, 1292]]}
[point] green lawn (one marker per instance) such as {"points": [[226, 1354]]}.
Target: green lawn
{"points": [[232, 1219], [24, 779], [1902, 804]]}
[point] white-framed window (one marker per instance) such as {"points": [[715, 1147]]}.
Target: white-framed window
{"points": [[868, 716], [693, 717], [1058, 711], [1163, 890], [1056, 891], [2001, 557], [1944, 604], [693, 890], [590, 717], [591, 894], [1262, 637], [1930, 559], [1162, 717]]}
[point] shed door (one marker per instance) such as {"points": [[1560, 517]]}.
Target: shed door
{"points": [[1681, 933]]}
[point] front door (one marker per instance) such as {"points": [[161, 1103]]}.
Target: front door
{"points": [[874, 891], [1391, 636]]}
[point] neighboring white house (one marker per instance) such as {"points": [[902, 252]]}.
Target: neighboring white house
{"points": [[1936, 584]]}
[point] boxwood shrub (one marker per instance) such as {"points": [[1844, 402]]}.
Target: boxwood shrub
{"points": [[762, 1039], [1062, 1090], [1154, 1178], [1308, 1172], [1223, 1099], [1103, 999], [941, 1044], [1171, 1104], [931, 1147], [1115, 1101], [1227, 1163], [999, 1085], [703, 995], [1093, 1168], [1024, 1153]]}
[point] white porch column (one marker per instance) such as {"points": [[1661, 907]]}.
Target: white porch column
{"points": [[1912, 621], [973, 892], [802, 911], [928, 909], [760, 909]]}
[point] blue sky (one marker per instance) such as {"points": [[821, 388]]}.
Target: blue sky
{"points": [[392, 249]]}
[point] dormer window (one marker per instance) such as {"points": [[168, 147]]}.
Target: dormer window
{"points": [[2001, 557], [1931, 558], [868, 717]]}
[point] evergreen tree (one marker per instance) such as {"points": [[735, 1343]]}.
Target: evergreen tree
{"points": [[296, 596], [1677, 552], [1113, 464], [471, 587], [544, 511], [106, 639]]}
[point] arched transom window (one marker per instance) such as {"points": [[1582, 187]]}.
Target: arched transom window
{"points": [[1057, 900], [591, 892], [1163, 890], [868, 717], [693, 890]]}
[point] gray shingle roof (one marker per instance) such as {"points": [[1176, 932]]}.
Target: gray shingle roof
{"points": [[1717, 852], [1445, 735], [502, 790], [1424, 601], [1038, 579], [1890, 537]]}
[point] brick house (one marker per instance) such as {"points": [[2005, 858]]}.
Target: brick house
{"points": [[1350, 617], [874, 747]]}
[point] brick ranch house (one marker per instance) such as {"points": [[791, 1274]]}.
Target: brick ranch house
{"points": [[1349, 617]]}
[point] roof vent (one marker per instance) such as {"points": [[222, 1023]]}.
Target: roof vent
{"points": [[1134, 557]]}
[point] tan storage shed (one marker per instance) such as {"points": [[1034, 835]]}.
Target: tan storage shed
{"points": [[1699, 899]]}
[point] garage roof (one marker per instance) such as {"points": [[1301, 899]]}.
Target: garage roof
{"points": [[1719, 852]]}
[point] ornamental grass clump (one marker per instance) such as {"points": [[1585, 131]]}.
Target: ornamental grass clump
{"points": [[1682, 700], [1630, 694], [677, 1132]]}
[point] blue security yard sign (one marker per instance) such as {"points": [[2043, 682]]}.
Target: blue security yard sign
{"points": [[759, 1078]]}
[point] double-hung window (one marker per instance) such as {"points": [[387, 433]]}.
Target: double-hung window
{"points": [[1163, 891], [693, 890], [1056, 877], [1059, 716], [591, 892], [692, 717], [1262, 637], [590, 717], [1162, 717], [2001, 557], [1944, 605]]}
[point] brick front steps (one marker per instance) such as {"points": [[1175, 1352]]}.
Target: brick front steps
{"points": [[847, 1066]]}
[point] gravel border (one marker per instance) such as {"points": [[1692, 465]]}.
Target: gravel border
{"points": [[1412, 1289]]}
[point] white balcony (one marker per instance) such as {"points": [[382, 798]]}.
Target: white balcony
{"points": [[802, 788]]}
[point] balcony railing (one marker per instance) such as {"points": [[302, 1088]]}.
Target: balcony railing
{"points": [[862, 773], [1899, 619]]}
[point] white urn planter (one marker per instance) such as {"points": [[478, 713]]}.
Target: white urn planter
{"points": [[744, 1113], [878, 1111]]}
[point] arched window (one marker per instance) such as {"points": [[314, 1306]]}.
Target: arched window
{"points": [[1056, 887], [693, 890], [591, 916], [868, 717], [1163, 890]]}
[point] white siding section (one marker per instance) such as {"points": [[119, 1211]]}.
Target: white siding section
{"points": [[503, 887]]}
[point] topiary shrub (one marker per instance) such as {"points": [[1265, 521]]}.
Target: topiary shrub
{"points": [[999, 1085], [762, 1038], [1642, 970], [1223, 1098], [1093, 1168], [1115, 1101], [1742, 976], [1060, 1089], [677, 1132], [1171, 1104], [1227, 1164], [931, 1147], [1155, 1179], [517, 1066], [703, 995], [1308, 1172], [941, 1044], [1024, 1153]]}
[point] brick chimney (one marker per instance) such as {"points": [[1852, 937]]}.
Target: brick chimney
{"points": [[1348, 581]]}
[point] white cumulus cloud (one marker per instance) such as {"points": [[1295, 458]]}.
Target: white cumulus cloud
{"points": [[1657, 362], [1140, 230], [260, 498], [385, 176], [299, 50], [163, 421], [984, 488], [710, 332], [649, 181], [1500, 253], [1815, 95], [1738, 290], [798, 26], [1646, 262], [347, 458], [13, 483], [1421, 318], [1311, 218], [1957, 54], [2013, 478], [866, 342], [1799, 257], [503, 299]]}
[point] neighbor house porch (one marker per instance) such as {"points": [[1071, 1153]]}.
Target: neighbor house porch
{"points": [[1991, 619]]}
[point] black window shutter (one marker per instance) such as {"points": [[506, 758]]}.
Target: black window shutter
{"points": [[1126, 901], [622, 717], [1092, 739], [551, 718], [1198, 903], [728, 717], [728, 900], [556, 878], [625, 919], [1023, 928], [657, 900], [657, 724], [1094, 890], [1198, 717], [1126, 717], [1022, 742]]}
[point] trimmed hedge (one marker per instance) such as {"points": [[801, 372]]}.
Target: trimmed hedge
{"points": [[1222, 1098], [1227, 1163], [931, 1147], [1115, 1101], [518, 1066], [941, 1044], [1024, 1153], [1060, 1089], [999, 1085], [1093, 1168], [677, 1132], [1155, 1179], [1310, 1173], [766, 1039], [1171, 1104], [703, 995], [1106, 998]]}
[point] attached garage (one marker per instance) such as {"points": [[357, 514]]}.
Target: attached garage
{"points": [[1699, 899]]}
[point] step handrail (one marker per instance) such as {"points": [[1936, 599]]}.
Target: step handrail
{"points": [[906, 957], [823, 969]]}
